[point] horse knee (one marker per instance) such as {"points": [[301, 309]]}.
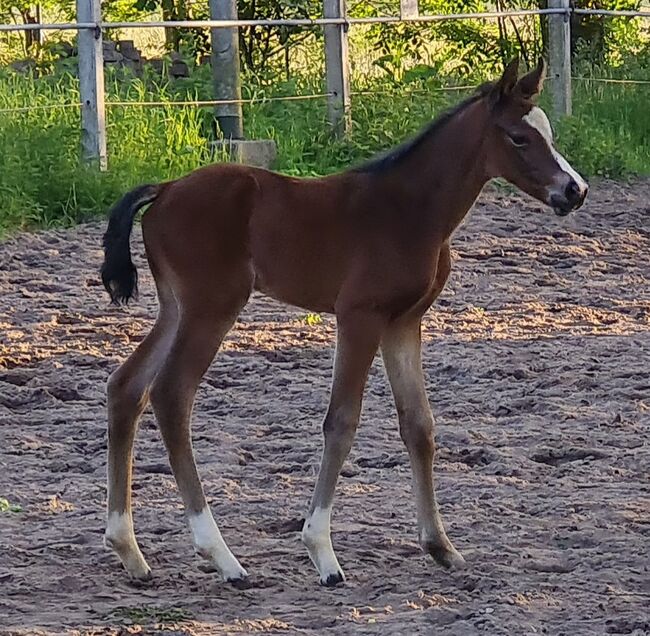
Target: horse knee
{"points": [[340, 427], [416, 431]]}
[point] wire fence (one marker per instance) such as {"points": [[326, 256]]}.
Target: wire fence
{"points": [[319, 22], [335, 25]]}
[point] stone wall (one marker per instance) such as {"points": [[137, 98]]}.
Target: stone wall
{"points": [[119, 54]]}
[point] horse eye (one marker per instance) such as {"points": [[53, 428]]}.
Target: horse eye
{"points": [[518, 140]]}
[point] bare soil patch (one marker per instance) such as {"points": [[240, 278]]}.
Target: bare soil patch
{"points": [[537, 357]]}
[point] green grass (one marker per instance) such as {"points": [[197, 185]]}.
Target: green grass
{"points": [[7, 506], [43, 182]]}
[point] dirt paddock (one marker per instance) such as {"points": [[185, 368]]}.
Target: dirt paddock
{"points": [[537, 359]]}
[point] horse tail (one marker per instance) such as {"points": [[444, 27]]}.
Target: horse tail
{"points": [[119, 274]]}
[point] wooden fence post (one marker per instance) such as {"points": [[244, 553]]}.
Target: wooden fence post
{"points": [[408, 9], [225, 69], [337, 68], [91, 84], [559, 45]]}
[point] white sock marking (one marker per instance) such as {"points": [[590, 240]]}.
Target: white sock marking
{"points": [[120, 537], [210, 544], [317, 537], [119, 528]]}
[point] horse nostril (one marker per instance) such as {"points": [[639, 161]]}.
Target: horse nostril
{"points": [[573, 192]]}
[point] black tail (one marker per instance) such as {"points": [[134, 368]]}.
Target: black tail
{"points": [[118, 272]]}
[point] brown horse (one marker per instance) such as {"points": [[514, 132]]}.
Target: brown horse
{"points": [[370, 245]]}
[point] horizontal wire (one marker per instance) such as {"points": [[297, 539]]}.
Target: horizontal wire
{"points": [[25, 109], [213, 24], [608, 80], [622, 13], [220, 102], [63, 26]]}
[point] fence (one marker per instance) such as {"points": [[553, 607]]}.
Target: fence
{"points": [[335, 23]]}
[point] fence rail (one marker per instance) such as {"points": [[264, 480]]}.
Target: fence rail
{"points": [[335, 24], [315, 22]]}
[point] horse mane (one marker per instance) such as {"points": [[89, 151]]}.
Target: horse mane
{"points": [[394, 156]]}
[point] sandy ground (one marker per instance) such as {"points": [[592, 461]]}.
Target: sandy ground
{"points": [[537, 361]]}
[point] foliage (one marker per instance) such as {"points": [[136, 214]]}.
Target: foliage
{"points": [[263, 49], [460, 48], [26, 12], [44, 183], [6, 506], [398, 75], [311, 320], [602, 39]]}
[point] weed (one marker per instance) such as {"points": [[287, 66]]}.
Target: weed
{"points": [[6, 506]]}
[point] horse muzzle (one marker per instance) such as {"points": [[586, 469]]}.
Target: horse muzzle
{"points": [[571, 198]]}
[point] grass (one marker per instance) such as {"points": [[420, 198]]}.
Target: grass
{"points": [[44, 183], [7, 506], [311, 319]]}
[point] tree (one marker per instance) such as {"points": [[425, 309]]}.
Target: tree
{"points": [[28, 12]]}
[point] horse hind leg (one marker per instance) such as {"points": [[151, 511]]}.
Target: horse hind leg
{"points": [[128, 394], [205, 322]]}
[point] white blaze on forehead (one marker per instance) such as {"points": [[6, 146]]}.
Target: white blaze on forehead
{"points": [[537, 118]]}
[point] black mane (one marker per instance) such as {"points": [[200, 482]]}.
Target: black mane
{"points": [[394, 156]]}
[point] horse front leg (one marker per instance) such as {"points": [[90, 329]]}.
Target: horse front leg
{"points": [[401, 350], [357, 342]]}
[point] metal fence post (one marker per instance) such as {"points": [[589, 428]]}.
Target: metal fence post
{"points": [[225, 69], [337, 68], [559, 44], [91, 84]]}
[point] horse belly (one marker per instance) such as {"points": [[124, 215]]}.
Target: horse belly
{"points": [[292, 276]]}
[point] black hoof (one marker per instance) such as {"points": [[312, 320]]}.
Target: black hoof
{"points": [[445, 555], [333, 580], [241, 584], [142, 582]]}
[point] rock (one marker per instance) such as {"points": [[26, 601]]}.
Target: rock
{"points": [[179, 68], [110, 52], [23, 66], [128, 50], [157, 65]]}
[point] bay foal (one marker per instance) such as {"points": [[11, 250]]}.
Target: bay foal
{"points": [[370, 245]]}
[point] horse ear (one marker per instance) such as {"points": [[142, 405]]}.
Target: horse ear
{"points": [[508, 80], [532, 83]]}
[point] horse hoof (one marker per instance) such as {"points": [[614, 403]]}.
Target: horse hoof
{"points": [[333, 580], [240, 583], [141, 574], [446, 555], [145, 575]]}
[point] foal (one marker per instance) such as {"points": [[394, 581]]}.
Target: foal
{"points": [[370, 245]]}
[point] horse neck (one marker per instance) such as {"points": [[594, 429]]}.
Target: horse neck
{"points": [[447, 172]]}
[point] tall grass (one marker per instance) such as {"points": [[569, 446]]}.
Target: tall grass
{"points": [[43, 181]]}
